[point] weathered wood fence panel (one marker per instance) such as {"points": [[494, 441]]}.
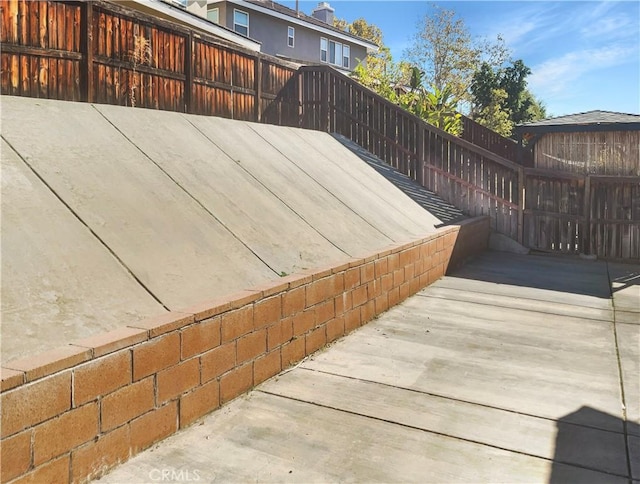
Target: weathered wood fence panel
{"points": [[488, 139], [102, 52]]}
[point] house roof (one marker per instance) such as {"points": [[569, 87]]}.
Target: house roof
{"points": [[588, 121], [184, 17], [275, 9]]}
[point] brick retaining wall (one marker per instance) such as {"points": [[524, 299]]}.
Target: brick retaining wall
{"points": [[71, 414]]}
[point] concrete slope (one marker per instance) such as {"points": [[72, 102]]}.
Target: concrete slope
{"points": [[179, 252], [338, 222], [50, 264], [283, 240], [139, 211], [313, 154]]}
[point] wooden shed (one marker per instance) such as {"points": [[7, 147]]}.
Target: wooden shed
{"points": [[591, 143]]}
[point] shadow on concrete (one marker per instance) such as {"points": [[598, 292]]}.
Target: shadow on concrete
{"points": [[554, 273], [623, 276], [606, 451], [428, 200]]}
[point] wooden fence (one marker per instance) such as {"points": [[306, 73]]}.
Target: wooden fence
{"points": [[544, 210], [100, 52]]}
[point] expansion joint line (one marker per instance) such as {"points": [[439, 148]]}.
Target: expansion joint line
{"points": [[434, 432], [198, 202], [625, 423], [86, 225], [267, 188], [323, 187]]}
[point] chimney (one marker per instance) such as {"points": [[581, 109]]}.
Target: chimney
{"points": [[324, 12]]}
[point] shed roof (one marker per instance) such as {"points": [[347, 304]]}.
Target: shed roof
{"points": [[588, 121]]}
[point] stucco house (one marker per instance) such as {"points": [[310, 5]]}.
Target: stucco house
{"points": [[291, 34]]}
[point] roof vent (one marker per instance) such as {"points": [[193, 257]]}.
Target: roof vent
{"points": [[324, 12]]}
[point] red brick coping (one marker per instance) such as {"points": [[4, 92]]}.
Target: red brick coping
{"points": [[70, 414]]}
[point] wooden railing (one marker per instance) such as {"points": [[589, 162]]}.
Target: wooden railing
{"points": [[544, 210], [479, 135], [100, 52], [468, 176]]}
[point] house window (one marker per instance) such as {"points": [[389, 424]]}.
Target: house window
{"points": [[339, 54], [323, 49], [346, 56], [291, 33], [241, 22], [214, 15]]}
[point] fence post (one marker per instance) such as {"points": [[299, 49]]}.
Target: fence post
{"points": [[86, 47], [521, 195], [258, 88], [324, 107], [420, 155], [188, 73], [586, 238]]}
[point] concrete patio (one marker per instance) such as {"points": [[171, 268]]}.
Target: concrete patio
{"points": [[513, 369]]}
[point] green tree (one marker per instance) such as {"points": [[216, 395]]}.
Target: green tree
{"points": [[500, 98], [444, 49]]}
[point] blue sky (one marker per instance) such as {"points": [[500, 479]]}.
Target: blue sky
{"points": [[583, 55]]}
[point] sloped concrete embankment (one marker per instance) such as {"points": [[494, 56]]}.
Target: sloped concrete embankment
{"points": [[213, 253]]}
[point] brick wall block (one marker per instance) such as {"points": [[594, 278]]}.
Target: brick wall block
{"points": [[59, 435], [101, 376], [367, 312], [200, 337], [11, 378], [251, 346], [267, 312], [218, 360], [15, 455], [315, 340], [154, 426], [319, 291], [335, 329], [293, 301], [359, 295], [304, 322], [127, 403], [178, 379], [199, 402], [95, 458], [155, 355], [324, 312], [351, 278], [33, 403], [49, 362], [292, 352], [352, 320], [52, 472], [266, 366], [164, 323], [236, 382], [237, 323]]}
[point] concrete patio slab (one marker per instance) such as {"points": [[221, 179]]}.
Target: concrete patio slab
{"points": [[438, 389], [629, 350], [625, 284], [50, 293]]}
